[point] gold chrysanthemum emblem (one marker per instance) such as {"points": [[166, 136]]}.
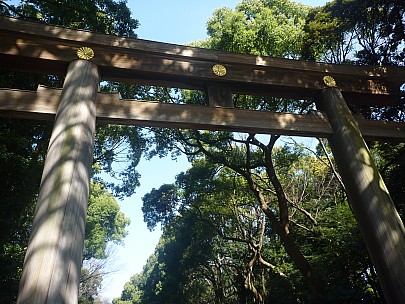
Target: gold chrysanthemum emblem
{"points": [[85, 53], [329, 81], [219, 70]]}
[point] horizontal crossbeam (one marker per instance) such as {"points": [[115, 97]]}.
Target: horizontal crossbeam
{"points": [[39, 48], [43, 104]]}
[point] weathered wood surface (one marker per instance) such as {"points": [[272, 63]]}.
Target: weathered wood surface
{"points": [[53, 260], [219, 96], [34, 47], [379, 222], [110, 109]]}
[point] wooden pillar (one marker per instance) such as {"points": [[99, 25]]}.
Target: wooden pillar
{"points": [[52, 263], [379, 222], [219, 96]]}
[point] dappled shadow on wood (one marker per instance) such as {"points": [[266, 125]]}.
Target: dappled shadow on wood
{"points": [[40, 48], [52, 265], [111, 109], [379, 222]]}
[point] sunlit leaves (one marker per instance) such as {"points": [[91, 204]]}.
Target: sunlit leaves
{"points": [[368, 32], [105, 222], [258, 27], [104, 16]]}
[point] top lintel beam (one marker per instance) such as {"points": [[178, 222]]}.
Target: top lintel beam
{"points": [[36, 47]]}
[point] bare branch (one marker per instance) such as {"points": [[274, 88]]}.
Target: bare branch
{"points": [[301, 226], [331, 165]]}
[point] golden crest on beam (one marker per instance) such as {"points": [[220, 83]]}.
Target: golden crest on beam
{"points": [[219, 70], [85, 53], [329, 81]]}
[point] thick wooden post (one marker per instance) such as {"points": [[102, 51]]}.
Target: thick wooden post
{"points": [[52, 263], [379, 222], [219, 96]]}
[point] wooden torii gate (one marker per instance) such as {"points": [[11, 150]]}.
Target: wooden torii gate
{"points": [[52, 264]]}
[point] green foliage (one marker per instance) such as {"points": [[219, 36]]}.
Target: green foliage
{"points": [[324, 33], [22, 149], [132, 293], [371, 30], [103, 16], [160, 205], [258, 27], [212, 231], [340, 246], [104, 223], [179, 249], [90, 284], [391, 162]]}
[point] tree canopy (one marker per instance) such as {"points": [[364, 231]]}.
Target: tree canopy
{"points": [[258, 27]]}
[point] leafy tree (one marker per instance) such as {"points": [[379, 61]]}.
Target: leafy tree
{"points": [[368, 32], [92, 273], [258, 27], [391, 163], [89, 286], [216, 241], [103, 16], [22, 146], [104, 223], [246, 157]]}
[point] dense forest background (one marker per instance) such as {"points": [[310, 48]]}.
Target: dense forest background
{"points": [[255, 219]]}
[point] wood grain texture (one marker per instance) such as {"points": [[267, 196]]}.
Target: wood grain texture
{"points": [[379, 222], [219, 96], [110, 109], [39, 48], [52, 264]]}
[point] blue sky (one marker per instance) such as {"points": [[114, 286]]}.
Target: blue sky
{"points": [[140, 242], [178, 22]]}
